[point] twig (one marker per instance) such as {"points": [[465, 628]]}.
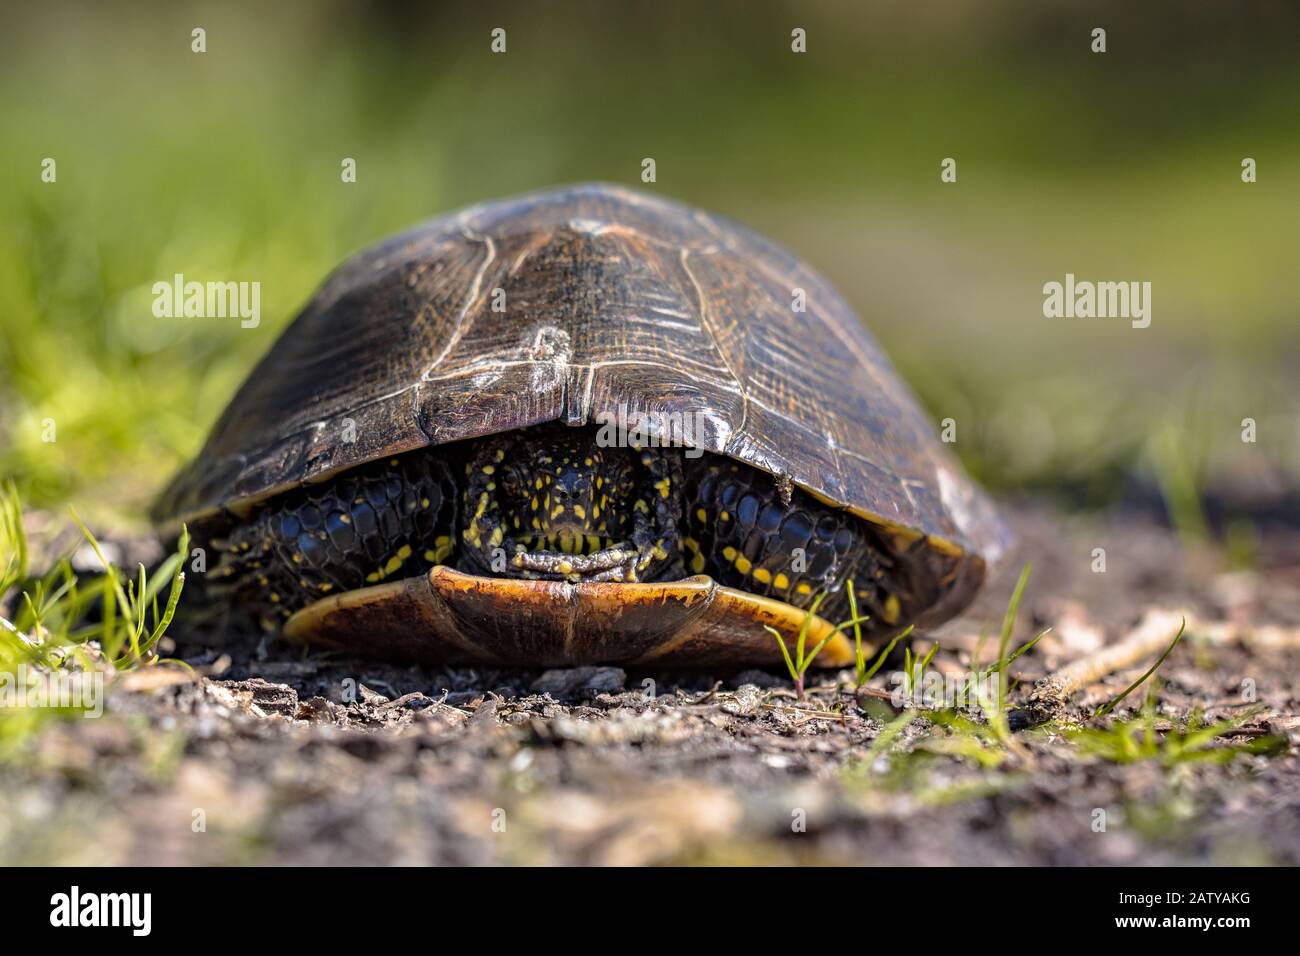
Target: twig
{"points": [[712, 693], [806, 713], [1261, 637], [1051, 693]]}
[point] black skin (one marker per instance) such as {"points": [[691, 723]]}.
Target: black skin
{"points": [[550, 503]]}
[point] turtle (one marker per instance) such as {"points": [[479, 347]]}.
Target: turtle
{"points": [[587, 425]]}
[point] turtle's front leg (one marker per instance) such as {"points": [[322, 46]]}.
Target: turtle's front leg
{"points": [[750, 531], [391, 519]]}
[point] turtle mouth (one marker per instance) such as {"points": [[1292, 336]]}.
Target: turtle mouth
{"points": [[576, 558], [569, 542]]}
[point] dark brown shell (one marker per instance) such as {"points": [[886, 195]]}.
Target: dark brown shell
{"points": [[611, 298]]}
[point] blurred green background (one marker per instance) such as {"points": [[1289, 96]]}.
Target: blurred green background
{"points": [[1123, 166]]}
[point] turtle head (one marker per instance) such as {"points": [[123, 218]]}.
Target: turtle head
{"points": [[572, 495], [553, 502]]}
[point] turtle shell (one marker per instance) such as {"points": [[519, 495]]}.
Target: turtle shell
{"points": [[580, 304], [447, 616]]}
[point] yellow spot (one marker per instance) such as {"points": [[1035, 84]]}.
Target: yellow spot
{"points": [[501, 454], [430, 556], [373, 576], [763, 575], [664, 485], [392, 461], [297, 558], [701, 514], [743, 564], [496, 538], [803, 588], [538, 486], [724, 516], [593, 543], [393, 564], [781, 581], [691, 544], [275, 598], [488, 469], [697, 563], [564, 567], [641, 506], [326, 586], [729, 553], [587, 462], [891, 609], [536, 504], [580, 512], [346, 519], [424, 502], [404, 552]]}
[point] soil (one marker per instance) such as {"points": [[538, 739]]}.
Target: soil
{"points": [[267, 754]]}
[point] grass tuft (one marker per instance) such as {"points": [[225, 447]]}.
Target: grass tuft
{"points": [[914, 668], [63, 621], [1137, 739], [799, 663]]}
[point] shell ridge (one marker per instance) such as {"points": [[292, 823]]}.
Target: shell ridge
{"points": [[490, 254], [707, 324]]}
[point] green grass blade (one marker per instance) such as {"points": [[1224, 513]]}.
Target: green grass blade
{"points": [[794, 674], [1114, 702], [815, 651], [803, 629], [859, 662], [880, 660], [1008, 624]]}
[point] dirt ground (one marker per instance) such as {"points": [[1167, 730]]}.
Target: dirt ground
{"points": [[270, 755]]}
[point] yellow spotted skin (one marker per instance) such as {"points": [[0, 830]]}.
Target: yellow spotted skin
{"points": [[562, 506], [744, 534], [551, 503], [370, 525]]}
